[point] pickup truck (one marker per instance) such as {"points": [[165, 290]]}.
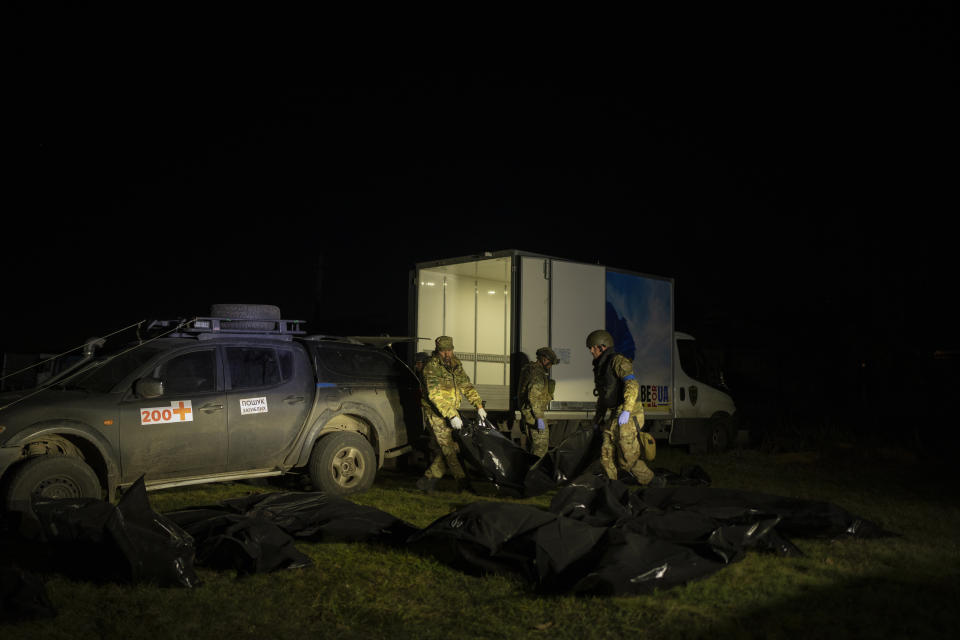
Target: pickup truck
{"points": [[237, 395]]}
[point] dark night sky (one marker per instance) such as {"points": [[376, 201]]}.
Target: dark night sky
{"points": [[793, 184]]}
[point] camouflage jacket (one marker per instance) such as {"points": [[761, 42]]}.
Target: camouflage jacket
{"points": [[620, 368], [534, 391], [447, 387]]}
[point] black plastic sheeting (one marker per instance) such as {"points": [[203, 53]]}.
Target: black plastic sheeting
{"points": [[88, 539], [91, 540], [556, 554], [499, 459], [598, 537], [128, 542], [517, 473], [601, 537], [256, 534]]}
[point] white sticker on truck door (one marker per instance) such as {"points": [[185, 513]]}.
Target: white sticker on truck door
{"points": [[253, 405], [178, 411]]}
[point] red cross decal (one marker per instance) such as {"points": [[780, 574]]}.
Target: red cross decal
{"points": [[182, 411]]}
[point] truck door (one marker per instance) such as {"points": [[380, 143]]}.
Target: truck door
{"points": [[182, 433], [270, 390], [696, 382], [687, 386]]}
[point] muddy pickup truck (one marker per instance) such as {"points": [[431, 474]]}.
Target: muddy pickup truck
{"points": [[237, 395]]}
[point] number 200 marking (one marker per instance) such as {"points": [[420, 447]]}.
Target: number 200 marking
{"points": [[156, 415]]}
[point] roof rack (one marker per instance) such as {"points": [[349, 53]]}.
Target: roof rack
{"points": [[321, 338], [208, 327]]}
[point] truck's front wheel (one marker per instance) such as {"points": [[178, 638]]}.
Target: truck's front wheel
{"points": [[722, 434], [343, 463], [51, 476]]}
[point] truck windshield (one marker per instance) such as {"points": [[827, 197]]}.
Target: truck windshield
{"points": [[105, 372]]}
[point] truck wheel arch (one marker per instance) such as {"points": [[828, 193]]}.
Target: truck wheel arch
{"points": [[52, 445], [71, 439], [330, 423]]}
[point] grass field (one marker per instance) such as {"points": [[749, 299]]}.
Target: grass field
{"points": [[899, 587]]}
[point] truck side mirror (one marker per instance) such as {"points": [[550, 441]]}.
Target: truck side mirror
{"points": [[148, 387]]}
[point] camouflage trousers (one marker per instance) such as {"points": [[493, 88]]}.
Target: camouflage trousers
{"points": [[539, 441], [621, 450], [446, 459]]}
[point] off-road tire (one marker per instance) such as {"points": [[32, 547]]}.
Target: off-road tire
{"points": [[51, 476], [343, 463], [246, 316], [721, 434]]}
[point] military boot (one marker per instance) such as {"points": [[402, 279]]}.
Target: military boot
{"points": [[427, 485]]}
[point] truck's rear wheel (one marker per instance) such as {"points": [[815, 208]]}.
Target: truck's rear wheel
{"points": [[51, 476], [343, 463]]}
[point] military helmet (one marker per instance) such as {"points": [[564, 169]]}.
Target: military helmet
{"points": [[422, 356], [547, 352], [599, 338]]}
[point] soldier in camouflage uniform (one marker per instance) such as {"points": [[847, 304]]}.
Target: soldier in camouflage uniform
{"points": [[535, 391], [446, 384], [419, 362], [617, 390]]}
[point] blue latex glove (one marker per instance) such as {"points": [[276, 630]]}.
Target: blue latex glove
{"points": [[624, 417], [541, 425]]}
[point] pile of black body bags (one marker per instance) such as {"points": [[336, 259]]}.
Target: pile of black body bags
{"points": [[598, 537]]}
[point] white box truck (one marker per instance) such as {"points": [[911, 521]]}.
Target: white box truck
{"points": [[500, 307]]}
